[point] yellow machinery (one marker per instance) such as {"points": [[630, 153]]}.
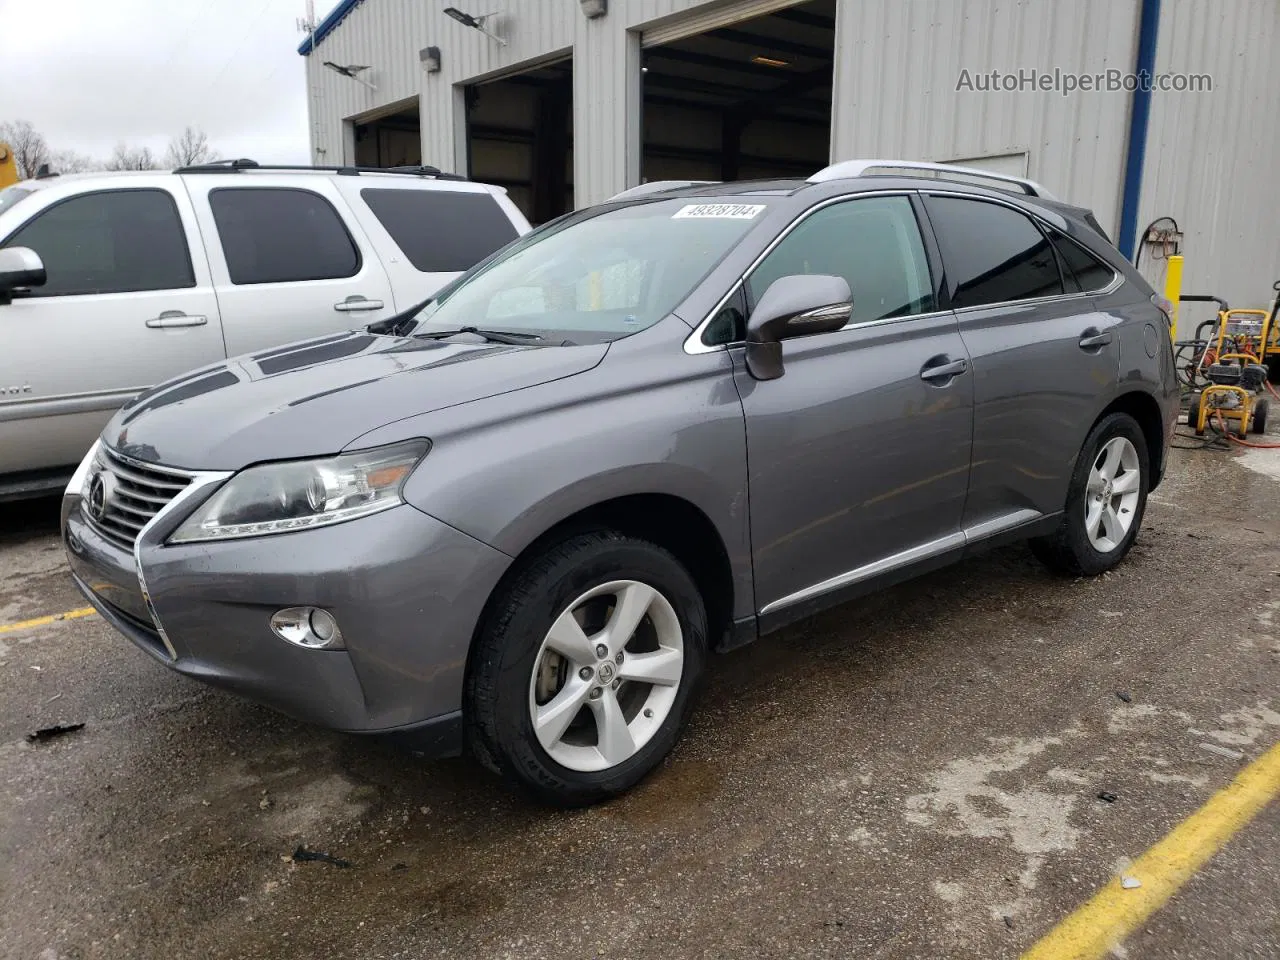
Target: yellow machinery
{"points": [[8, 166], [1232, 367]]}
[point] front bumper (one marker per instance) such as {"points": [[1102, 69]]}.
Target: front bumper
{"points": [[406, 590]]}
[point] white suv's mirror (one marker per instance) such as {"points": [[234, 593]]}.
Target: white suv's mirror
{"points": [[19, 267]]}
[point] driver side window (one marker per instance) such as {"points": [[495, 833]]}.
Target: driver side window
{"points": [[873, 242]]}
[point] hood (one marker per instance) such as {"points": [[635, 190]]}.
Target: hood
{"points": [[313, 398]]}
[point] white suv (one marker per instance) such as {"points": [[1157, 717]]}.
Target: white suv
{"points": [[151, 274]]}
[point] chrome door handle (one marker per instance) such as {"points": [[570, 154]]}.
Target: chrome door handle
{"points": [[945, 370], [1091, 339], [354, 304], [176, 318]]}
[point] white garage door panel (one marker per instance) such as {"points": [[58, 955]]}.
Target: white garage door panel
{"points": [[720, 16]]}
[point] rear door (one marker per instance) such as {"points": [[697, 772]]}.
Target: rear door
{"points": [[429, 231], [129, 302], [859, 453], [1045, 360], [289, 260]]}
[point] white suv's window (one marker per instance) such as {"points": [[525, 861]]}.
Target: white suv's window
{"points": [[109, 241], [279, 235], [441, 231]]}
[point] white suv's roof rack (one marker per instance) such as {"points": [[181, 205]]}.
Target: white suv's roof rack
{"points": [[848, 169]]}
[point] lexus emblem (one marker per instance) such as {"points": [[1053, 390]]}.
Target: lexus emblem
{"points": [[101, 488]]}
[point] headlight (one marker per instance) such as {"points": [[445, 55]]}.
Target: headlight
{"points": [[280, 497]]}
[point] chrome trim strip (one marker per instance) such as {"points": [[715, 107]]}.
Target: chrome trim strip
{"points": [[868, 570], [200, 481], [988, 528], [961, 538], [31, 408]]}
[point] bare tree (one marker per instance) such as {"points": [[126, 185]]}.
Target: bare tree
{"points": [[188, 149], [68, 161], [125, 157], [29, 148]]}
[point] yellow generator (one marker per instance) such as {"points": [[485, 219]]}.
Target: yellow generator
{"points": [[1232, 363], [8, 166]]}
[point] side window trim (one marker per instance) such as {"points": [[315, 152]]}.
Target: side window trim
{"points": [[694, 344], [1057, 238], [1044, 227], [328, 201], [177, 216]]}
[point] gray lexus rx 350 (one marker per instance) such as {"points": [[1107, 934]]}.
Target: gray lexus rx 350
{"points": [[517, 519]]}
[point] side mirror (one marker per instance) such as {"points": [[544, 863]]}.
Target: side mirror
{"points": [[795, 306], [19, 267]]}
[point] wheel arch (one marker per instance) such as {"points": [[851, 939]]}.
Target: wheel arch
{"points": [[1145, 409]]}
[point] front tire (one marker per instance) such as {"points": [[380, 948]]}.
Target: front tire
{"points": [[586, 668], [1106, 501]]}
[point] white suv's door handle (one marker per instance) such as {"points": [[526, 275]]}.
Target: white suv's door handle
{"points": [[356, 303], [176, 318]]}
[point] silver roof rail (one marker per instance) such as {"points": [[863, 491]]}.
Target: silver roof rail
{"points": [[658, 186], [848, 169]]}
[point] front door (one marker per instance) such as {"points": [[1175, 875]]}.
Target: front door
{"points": [[858, 456], [127, 304]]}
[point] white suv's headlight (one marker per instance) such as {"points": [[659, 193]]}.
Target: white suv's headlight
{"points": [[299, 495]]}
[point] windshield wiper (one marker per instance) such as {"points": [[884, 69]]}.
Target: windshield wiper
{"points": [[493, 336]]}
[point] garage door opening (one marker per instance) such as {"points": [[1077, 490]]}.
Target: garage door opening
{"points": [[391, 139], [520, 136], [748, 100]]}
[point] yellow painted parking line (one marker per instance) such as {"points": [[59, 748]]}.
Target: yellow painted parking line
{"points": [[42, 621], [1115, 912]]}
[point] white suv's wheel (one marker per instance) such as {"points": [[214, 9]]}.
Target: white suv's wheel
{"points": [[585, 668]]}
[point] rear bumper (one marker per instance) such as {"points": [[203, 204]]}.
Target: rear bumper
{"points": [[406, 590]]}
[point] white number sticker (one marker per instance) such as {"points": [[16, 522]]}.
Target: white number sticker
{"points": [[718, 211]]}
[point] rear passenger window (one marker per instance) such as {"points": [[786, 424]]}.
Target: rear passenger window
{"points": [[441, 231], [874, 243], [992, 254], [279, 235], [112, 241], [1082, 271]]}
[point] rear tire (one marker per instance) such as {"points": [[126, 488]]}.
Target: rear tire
{"points": [[1258, 423], [550, 713], [1106, 500], [1193, 414]]}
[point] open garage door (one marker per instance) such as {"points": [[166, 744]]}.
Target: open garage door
{"points": [[520, 136], [391, 139], [731, 98]]}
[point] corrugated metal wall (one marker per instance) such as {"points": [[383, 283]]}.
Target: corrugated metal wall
{"points": [[1210, 155], [898, 65], [1213, 159]]}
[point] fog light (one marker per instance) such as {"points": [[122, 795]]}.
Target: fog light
{"points": [[308, 627]]}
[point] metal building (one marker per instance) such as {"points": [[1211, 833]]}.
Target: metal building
{"points": [[566, 102]]}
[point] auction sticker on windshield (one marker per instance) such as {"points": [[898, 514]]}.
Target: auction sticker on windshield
{"points": [[718, 211]]}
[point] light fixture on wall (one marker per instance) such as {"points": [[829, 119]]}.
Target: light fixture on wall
{"points": [[351, 70], [594, 8], [475, 23], [430, 57]]}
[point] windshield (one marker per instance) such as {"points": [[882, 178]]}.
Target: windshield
{"points": [[11, 195], [598, 278]]}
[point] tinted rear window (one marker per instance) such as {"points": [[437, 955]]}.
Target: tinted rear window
{"points": [[278, 235], [441, 231], [1081, 270], [992, 254]]}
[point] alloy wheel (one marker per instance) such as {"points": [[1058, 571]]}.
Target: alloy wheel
{"points": [[1111, 497]]}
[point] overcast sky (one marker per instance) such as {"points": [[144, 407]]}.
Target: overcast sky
{"points": [[90, 73]]}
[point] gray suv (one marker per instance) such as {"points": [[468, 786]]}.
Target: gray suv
{"points": [[516, 519]]}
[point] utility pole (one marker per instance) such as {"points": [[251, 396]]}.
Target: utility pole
{"points": [[308, 26]]}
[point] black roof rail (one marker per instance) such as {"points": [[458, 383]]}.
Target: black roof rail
{"points": [[236, 166]]}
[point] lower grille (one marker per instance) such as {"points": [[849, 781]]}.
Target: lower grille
{"points": [[123, 495]]}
